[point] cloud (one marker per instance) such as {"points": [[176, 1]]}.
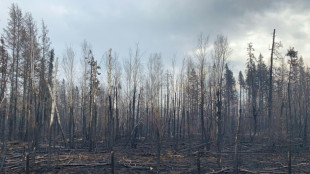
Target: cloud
{"points": [[171, 27]]}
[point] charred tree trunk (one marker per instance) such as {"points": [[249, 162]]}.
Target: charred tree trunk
{"points": [[270, 87], [236, 157], [110, 143], [305, 138], [133, 139], [71, 124], [4, 132], [219, 127], [117, 133], [158, 145]]}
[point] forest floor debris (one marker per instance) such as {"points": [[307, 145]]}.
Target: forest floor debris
{"points": [[254, 158]]}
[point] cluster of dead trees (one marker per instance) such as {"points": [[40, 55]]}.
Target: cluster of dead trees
{"points": [[107, 103], [26, 72]]}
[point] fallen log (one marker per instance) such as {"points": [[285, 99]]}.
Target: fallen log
{"points": [[248, 171], [83, 164], [221, 171]]}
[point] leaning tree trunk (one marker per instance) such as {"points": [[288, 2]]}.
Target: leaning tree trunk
{"points": [[53, 96]]}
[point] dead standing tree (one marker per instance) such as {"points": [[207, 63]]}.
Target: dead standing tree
{"points": [[202, 55], [3, 87], [270, 87], [93, 85], [13, 38], [154, 119], [116, 74], [236, 157], [43, 106], [293, 63], [110, 118], [132, 71], [31, 113], [84, 62], [137, 62], [68, 67], [251, 81], [221, 53]]}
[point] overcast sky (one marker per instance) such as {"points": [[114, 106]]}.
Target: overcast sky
{"points": [[170, 27]]}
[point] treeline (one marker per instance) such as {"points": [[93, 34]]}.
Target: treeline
{"points": [[199, 100]]}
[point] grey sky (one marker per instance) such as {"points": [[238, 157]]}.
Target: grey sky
{"points": [[170, 27]]}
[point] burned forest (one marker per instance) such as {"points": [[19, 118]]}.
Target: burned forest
{"points": [[76, 111]]}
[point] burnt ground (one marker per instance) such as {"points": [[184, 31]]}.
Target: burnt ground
{"points": [[254, 158]]}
